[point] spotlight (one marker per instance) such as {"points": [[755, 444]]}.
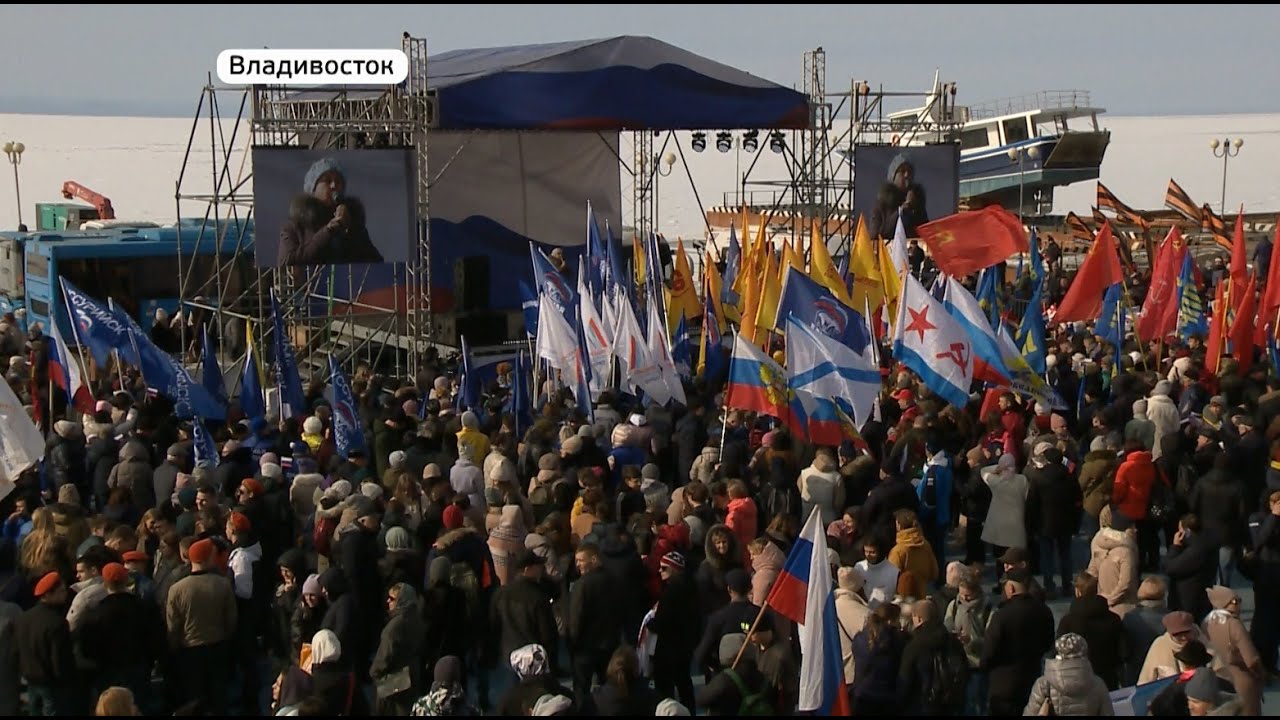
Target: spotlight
{"points": [[724, 141], [699, 141], [776, 141], [751, 141]]}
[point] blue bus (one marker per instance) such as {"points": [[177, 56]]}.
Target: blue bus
{"points": [[138, 267]]}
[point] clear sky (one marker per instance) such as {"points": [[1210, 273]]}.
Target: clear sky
{"points": [[1137, 60]]}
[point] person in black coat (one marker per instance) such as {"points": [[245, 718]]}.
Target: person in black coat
{"points": [[346, 617], [236, 465], [689, 438], [65, 458], [624, 693], [1104, 631], [594, 626], [521, 611], [1192, 564], [1019, 635], [893, 493], [102, 453], [929, 639], [46, 658], [677, 623], [1218, 499], [122, 636], [1054, 504], [736, 617]]}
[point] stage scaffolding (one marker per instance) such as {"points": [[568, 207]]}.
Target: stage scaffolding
{"points": [[394, 337]]}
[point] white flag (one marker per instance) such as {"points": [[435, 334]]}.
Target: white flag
{"points": [[21, 444]]}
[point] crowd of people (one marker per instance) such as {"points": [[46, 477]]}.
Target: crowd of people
{"points": [[471, 562]]}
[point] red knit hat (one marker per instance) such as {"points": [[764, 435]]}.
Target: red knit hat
{"points": [[135, 556], [47, 584], [253, 486], [452, 517]]}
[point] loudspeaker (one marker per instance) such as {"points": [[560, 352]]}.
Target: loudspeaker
{"points": [[471, 283], [482, 327]]}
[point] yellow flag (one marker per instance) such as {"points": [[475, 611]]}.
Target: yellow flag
{"points": [[770, 294], [714, 285], [790, 258], [864, 266], [684, 293], [823, 269], [892, 283], [750, 298]]}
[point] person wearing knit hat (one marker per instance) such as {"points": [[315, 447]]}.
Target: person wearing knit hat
{"points": [[1205, 696], [673, 560], [1069, 686], [1226, 634], [251, 487], [452, 517], [201, 553], [571, 446], [268, 457], [432, 471], [271, 472], [396, 460]]}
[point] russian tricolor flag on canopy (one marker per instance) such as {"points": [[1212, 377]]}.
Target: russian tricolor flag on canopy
{"points": [[803, 594], [65, 373]]}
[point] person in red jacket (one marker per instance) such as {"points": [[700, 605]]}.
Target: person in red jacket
{"points": [[1131, 492], [742, 518], [1131, 495]]}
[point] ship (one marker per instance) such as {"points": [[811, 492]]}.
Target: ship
{"points": [[1014, 151]]}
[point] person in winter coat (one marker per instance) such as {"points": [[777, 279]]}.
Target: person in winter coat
{"points": [[134, 473], [46, 659], [1162, 658], [935, 491], [851, 616], [1140, 428], [1218, 499], [593, 626], [1005, 525], [1053, 509], [122, 636], [1113, 560], [736, 616], [877, 657], [1163, 413], [704, 466], [742, 518], [1069, 686], [1192, 564], [201, 618], [1097, 476], [102, 454], [308, 614], [506, 543], [677, 626], [929, 640], [65, 451], [967, 617], [1090, 618], [1132, 489], [1238, 659], [624, 693], [401, 646], [821, 487], [1019, 635], [521, 614], [723, 693], [1143, 624], [891, 494], [332, 679], [912, 554], [403, 563], [722, 556]]}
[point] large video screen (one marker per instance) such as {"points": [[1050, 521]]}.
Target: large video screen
{"points": [[333, 207], [921, 181]]}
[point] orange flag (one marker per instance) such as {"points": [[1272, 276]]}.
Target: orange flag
{"points": [[1099, 271], [1242, 328], [1160, 310], [1270, 296], [1217, 331], [969, 241]]}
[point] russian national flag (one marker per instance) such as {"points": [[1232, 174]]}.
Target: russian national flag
{"points": [[759, 384], [65, 373], [803, 594]]}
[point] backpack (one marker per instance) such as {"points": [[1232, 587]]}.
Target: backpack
{"points": [[948, 683], [929, 491], [1162, 505], [752, 703]]}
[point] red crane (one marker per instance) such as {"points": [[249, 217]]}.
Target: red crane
{"points": [[72, 189]]}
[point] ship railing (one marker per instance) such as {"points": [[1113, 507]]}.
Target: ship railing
{"points": [[1043, 100]]}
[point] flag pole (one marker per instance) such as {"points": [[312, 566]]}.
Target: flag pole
{"points": [[75, 332], [764, 607]]}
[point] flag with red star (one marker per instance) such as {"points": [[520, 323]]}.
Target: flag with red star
{"points": [[930, 342]]}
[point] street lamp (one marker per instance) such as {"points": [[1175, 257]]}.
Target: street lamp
{"points": [[14, 152], [1020, 156], [1227, 153]]}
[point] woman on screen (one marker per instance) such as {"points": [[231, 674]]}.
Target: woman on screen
{"points": [[903, 193], [326, 226]]}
